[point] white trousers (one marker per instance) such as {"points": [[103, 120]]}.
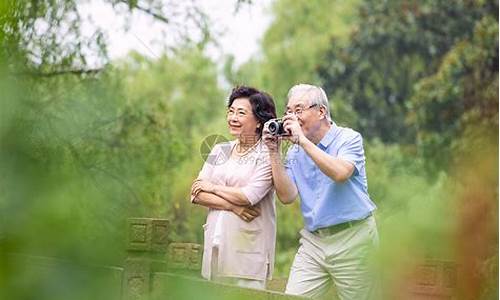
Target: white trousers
{"points": [[341, 259]]}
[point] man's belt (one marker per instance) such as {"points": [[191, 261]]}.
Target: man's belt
{"points": [[331, 230]]}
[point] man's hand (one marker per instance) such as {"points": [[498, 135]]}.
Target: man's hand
{"points": [[292, 126], [200, 185], [246, 213]]}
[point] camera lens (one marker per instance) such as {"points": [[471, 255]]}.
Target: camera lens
{"points": [[273, 127]]}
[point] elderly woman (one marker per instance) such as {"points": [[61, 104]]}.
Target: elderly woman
{"points": [[235, 183]]}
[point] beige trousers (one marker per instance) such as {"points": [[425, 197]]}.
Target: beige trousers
{"points": [[341, 259]]}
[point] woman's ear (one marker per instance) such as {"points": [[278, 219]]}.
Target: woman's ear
{"points": [[257, 128]]}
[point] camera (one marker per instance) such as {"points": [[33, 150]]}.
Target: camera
{"points": [[275, 127]]}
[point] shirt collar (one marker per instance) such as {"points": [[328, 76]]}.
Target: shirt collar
{"points": [[329, 136]]}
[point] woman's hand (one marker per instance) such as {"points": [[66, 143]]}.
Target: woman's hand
{"points": [[200, 185], [246, 213]]}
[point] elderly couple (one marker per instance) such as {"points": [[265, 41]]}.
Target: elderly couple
{"points": [[325, 167]]}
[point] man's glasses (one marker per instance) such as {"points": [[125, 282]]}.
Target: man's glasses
{"points": [[299, 110]]}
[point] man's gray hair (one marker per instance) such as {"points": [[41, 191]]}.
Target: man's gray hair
{"points": [[315, 94]]}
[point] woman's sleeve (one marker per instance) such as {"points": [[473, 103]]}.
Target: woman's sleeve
{"points": [[260, 183], [207, 169]]}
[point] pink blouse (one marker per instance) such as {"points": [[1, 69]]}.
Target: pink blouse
{"points": [[246, 250]]}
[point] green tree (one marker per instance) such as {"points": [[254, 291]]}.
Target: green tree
{"points": [[166, 116], [81, 149], [458, 106], [295, 44], [395, 44], [45, 37]]}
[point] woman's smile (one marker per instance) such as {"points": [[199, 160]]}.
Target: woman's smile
{"points": [[234, 127]]}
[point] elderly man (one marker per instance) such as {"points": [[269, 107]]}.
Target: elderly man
{"points": [[326, 167]]}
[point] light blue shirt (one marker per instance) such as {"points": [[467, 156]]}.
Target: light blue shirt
{"points": [[325, 202]]}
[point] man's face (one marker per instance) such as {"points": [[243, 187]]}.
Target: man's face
{"points": [[308, 115]]}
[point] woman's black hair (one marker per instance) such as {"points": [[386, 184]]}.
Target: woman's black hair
{"points": [[262, 103]]}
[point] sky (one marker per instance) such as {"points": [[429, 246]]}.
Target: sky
{"points": [[238, 34]]}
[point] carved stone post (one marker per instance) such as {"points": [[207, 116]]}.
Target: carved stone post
{"points": [[146, 247], [435, 279], [185, 256]]}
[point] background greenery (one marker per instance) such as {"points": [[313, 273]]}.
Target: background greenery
{"points": [[82, 149]]}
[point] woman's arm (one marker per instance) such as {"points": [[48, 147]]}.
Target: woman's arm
{"points": [[246, 213], [212, 201], [233, 195]]}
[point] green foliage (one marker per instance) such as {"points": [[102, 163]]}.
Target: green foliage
{"points": [[395, 44], [289, 224], [80, 152], [462, 93], [295, 45], [79, 155], [45, 37], [398, 185], [419, 80]]}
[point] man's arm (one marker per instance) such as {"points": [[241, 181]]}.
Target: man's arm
{"points": [[285, 188], [337, 169]]}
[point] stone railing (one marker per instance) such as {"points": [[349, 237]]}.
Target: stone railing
{"points": [[157, 269], [434, 279]]}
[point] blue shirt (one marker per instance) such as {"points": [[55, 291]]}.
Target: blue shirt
{"points": [[325, 202]]}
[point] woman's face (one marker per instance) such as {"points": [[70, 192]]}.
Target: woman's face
{"points": [[240, 119]]}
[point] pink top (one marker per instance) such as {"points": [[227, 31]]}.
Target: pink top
{"points": [[246, 250]]}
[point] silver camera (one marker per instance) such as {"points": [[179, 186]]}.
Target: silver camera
{"points": [[275, 127]]}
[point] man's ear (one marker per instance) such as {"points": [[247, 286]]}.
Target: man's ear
{"points": [[322, 111]]}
